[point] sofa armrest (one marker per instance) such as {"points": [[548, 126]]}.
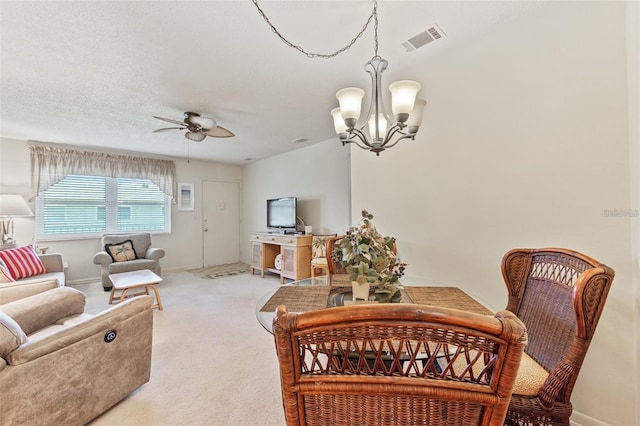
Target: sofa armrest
{"points": [[16, 290], [154, 253], [52, 262], [41, 310], [111, 319], [102, 258]]}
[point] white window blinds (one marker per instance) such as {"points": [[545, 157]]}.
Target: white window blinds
{"points": [[89, 206]]}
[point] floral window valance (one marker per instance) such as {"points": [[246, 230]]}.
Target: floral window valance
{"points": [[50, 165]]}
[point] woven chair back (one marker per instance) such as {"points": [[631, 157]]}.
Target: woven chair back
{"points": [[334, 266], [559, 295], [395, 364]]}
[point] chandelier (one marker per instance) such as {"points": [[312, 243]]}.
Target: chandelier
{"points": [[383, 131]]}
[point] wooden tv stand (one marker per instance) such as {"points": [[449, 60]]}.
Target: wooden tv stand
{"points": [[295, 250]]}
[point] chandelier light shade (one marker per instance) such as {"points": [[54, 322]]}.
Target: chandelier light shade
{"points": [[11, 205]]}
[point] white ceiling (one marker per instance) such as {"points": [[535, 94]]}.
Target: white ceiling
{"points": [[93, 73]]}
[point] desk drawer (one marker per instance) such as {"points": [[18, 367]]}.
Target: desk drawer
{"points": [[288, 240]]}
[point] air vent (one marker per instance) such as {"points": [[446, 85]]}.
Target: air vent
{"points": [[433, 33]]}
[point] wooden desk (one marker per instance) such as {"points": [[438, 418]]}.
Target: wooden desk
{"points": [[313, 294], [294, 253]]}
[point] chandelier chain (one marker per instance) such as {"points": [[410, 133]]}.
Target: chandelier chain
{"points": [[373, 15]]}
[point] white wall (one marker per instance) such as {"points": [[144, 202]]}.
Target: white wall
{"points": [[183, 246], [525, 144], [318, 175]]}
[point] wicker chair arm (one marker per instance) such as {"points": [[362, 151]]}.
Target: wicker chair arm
{"points": [[555, 384]]}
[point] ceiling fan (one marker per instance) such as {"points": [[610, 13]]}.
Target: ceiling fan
{"points": [[197, 127]]}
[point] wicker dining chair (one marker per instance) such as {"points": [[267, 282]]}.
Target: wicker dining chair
{"points": [[559, 295], [396, 364], [334, 266]]}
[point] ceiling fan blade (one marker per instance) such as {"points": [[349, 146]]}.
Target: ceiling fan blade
{"points": [[167, 128], [195, 136], [218, 132], [169, 120]]}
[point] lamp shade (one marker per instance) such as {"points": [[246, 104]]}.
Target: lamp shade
{"points": [[350, 100], [403, 96], [415, 118], [338, 121], [382, 126], [13, 205]]}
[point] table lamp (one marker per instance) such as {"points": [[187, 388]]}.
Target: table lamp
{"points": [[11, 205]]}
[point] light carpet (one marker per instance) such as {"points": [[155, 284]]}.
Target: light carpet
{"points": [[212, 362]]}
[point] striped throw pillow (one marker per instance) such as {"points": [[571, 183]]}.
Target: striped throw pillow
{"points": [[22, 262]]}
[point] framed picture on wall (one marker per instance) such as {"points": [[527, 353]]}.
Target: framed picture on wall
{"points": [[185, 197]]}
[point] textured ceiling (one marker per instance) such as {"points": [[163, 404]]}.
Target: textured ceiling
{"points": [[94, 73]]}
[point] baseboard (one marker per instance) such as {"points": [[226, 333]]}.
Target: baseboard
{"points": [[579, 419], [182, 268], [84, 281]]}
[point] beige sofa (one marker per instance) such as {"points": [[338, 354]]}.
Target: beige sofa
{"points": [[53, 278], [59, 365], [147, 257]]}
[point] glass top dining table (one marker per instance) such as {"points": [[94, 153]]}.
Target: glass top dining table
{"points": [[318, 293]]}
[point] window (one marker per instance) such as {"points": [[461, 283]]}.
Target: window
{"points": [[87, 206]]}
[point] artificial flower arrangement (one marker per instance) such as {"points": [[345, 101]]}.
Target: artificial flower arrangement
{"points": [[370, 258]]}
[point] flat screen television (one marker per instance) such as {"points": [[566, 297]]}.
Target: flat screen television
{"points": [[282, 213]]}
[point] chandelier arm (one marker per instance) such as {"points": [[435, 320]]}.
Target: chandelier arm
{"points": [[404, 136], [391, 133], [355, 142], [373, 15], [356, 133]]}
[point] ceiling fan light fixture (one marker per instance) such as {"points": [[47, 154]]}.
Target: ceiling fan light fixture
{"points": [[195, 136], [203, 122]]}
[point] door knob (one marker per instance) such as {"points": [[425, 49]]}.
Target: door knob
{"points": [[205, 229]]}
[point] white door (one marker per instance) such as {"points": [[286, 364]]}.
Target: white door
{"points": [[221, 222]]}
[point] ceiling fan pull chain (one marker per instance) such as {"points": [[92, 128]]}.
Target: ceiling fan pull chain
{"points": [[374, 13]]}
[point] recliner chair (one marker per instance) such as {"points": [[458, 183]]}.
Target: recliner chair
{"points": [[59, 365]]}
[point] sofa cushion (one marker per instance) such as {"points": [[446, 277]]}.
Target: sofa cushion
{"points": [[122, 251], [132, 265], [531, 376], [11, 335], [5, 276], [22, 262]]}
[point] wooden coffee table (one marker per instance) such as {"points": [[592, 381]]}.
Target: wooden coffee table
{"points": [[126, 281]]}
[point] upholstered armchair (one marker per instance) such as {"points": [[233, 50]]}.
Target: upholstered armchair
{"points": [[62, 366], [125, 253]]}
